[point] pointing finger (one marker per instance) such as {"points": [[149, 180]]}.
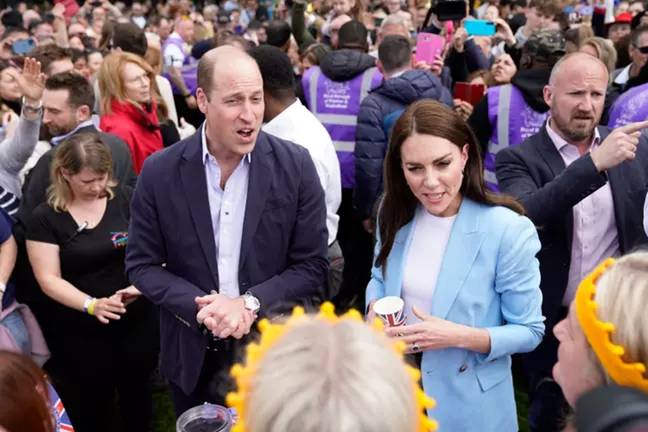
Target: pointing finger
{"points": [[633, 127]]}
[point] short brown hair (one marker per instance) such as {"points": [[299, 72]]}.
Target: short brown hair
{"points": [[81, 150], [79, 90], [48, 54]]}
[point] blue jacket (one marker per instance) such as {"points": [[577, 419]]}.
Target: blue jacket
{"points": [[490, 279], [378, 113], [172, 258]]}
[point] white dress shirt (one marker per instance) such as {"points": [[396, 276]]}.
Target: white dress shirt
{"points": [[595, 237], [227, 209], [297, 124], [646, 215], [423, 262]]}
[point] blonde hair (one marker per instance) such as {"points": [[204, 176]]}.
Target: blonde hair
{"points": [[111, 84], [605, 52], [622, 295], [82, 150], [322, 378]]}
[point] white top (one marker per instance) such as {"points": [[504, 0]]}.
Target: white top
{"points": [[227, 209], [424, 259], [624, 76], [646, 215], [173, 55], [297, 124]]}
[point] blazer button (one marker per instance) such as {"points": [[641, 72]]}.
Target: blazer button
{"points": [[463, 368]]}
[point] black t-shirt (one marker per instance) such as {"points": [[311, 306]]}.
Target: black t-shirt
{"points": [[93, 261]]}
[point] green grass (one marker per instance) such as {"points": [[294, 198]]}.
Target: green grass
{"points": [[163, 415]]}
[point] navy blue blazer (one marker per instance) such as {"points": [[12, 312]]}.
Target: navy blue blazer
{"points": [[171, 255], [535, 173]]}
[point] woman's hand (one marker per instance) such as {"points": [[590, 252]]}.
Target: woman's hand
{"points": [[459, 39], [129, 294], [431, 334], [504, 32], [463, 108], [109, 308], [371, 315]]}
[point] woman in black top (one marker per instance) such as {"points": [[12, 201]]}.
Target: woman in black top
{"points": [[103, 336]]}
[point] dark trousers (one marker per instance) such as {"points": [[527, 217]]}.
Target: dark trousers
{"points": [[548, 407], [214, 382], [89, 388], [357, 248]]}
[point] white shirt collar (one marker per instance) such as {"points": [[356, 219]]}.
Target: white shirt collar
{"points": [[624, 75], [205, 152]]}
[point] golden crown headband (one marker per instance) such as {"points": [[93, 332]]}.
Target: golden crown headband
{"points": [[271, 333], [598, 334]]}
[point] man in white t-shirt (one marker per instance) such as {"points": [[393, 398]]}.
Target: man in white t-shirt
{"points": [[286, 118]]}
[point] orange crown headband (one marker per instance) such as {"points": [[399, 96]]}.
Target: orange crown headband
{"points": [[271, 333], [598, 334]]}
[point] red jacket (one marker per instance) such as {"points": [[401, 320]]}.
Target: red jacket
{"points": [[138, 128]]}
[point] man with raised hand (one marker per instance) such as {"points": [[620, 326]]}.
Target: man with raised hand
{"points": [[583, 186]]}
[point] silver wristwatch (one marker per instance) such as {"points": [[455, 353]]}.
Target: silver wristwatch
{"points": [[251, 303]]}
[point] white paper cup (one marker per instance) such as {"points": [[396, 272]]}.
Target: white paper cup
{"points": [[390, 310]]}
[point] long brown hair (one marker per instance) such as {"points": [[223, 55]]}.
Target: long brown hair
{"points": [[24, 395], [399, 203]]}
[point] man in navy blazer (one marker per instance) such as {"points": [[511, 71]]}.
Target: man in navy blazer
{"points": [[583, 186], [226, 225]]}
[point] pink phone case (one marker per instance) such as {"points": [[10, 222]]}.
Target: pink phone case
{"points": [[428, 46]]}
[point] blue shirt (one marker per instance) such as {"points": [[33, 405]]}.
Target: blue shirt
{"points": [[227, 209]]}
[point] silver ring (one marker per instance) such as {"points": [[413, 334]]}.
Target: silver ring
{"points": [[415, 347]]}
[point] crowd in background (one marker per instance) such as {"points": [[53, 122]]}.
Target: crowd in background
{"points": [[154, 205]]}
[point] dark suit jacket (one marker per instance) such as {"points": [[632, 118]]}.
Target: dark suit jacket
{"points": [[535, 174], [283, 256], [38, 179]]}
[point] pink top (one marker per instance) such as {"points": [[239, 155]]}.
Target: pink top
{"points": [[595, 236]]}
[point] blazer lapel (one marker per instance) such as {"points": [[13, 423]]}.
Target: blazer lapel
{"points": [[549, 153], [194, 183], [397, 259], [462, 249], [258, 192]]}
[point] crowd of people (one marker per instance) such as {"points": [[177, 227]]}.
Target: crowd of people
{"points": [[174, 173]]}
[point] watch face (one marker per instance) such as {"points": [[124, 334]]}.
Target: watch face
{"points": [[251, 303]]}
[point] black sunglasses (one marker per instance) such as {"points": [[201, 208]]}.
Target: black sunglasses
{"points": [[643, 49]]}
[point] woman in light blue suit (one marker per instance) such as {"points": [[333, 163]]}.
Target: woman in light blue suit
{"points": [[464, 262]]}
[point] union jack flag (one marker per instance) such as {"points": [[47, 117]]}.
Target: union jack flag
{"points": [[61, 419]]}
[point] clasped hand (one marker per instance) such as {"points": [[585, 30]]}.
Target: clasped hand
{"points": [[224, 316]]}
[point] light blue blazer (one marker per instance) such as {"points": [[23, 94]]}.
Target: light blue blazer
{"points": [[490, 279]]}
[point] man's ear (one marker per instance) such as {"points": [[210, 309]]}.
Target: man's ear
{"points": [[547, 93], [83, 113], [380, 67], [202, 100]]}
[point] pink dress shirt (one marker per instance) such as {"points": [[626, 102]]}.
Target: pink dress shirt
{"points": [[595, 236]]}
